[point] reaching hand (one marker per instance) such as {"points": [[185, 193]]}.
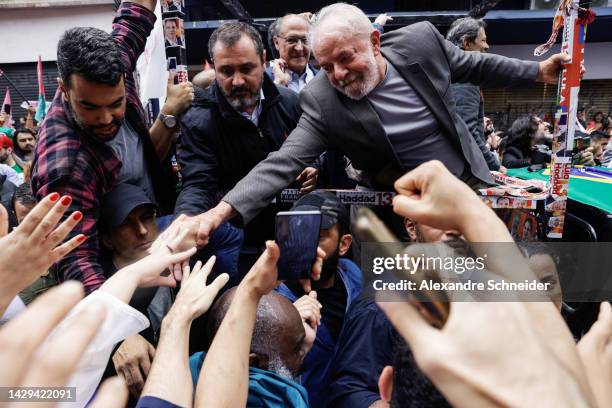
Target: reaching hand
{"points": [[132, 361], [36, 244], [23, 367], [383, 19], [308, 177], [261, 279], [195, 296], [551, 68], [177, 237], [431, 195], [595, 350], [473, 360], [147, 272], [310, 311]]}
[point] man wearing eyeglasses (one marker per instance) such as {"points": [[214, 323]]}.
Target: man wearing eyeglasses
{"points": [[291, 40]]}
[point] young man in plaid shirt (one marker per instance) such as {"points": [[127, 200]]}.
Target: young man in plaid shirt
{"points": [[95, 133]]}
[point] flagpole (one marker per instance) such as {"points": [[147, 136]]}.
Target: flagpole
{"points": [[14, 87], [574, 21]]}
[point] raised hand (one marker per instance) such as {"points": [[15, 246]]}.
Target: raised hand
{"points": [[36, 244], [195, 296], [310, 311]]}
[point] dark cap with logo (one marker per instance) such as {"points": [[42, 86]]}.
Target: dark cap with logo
{"points": [[120, 202], [332, 209]]}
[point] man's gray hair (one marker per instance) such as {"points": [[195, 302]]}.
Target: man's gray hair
{"points": [[464, 29], [277, 26], [347, 16]]}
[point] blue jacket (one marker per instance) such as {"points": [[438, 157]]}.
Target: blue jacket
{"points": [[266, 389], [317, 364], [365, 347]]}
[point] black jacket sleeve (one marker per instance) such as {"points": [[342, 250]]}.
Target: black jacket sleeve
{"points": [[468, 108], [199, 169], [513, 159]]}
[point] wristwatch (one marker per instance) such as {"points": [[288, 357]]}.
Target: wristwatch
{"points": [[168, 120]]}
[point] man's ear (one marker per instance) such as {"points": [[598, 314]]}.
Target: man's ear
{"points": [[275, 41], [465, 44], [345, 243], [385, 384], [259, 361], [375, 40], [410, 229], [62, 87]]}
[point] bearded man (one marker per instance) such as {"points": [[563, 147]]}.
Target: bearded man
{"points": [[233, 125], [339, 287], [95, 134], [385, 102]]}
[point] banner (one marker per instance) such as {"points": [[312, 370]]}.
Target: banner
{"points": [[574, 21]]}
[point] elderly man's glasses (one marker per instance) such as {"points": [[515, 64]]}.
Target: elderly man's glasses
{"points": [[295, 40]]}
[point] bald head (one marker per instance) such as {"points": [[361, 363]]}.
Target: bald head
{"points": [[278, 335]]}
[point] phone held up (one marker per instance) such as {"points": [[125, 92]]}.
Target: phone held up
{"points": [[297, 235]]}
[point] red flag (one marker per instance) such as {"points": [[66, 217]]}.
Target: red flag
{"points": [[41, 86]]}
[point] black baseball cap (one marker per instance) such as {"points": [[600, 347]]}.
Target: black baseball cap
{"points": [[121, 201], [332, 209]]}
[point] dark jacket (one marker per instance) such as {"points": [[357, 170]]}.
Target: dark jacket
{"points": [[513, 157], [7, 189], [218, 146], [470, 108], [317, 363]]}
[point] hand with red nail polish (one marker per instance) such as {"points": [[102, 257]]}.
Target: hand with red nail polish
{"points": [[37, 243]]}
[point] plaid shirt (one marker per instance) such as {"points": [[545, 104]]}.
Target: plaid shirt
{"points": [[69, 162]]}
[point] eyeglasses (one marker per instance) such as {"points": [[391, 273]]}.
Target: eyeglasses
{"points": [[295, 40]]}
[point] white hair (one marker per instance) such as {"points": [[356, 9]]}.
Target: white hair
{"points": [[347, 16]]}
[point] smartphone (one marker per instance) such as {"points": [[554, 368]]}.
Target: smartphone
{"points": [[297, 235], [370, 228]]}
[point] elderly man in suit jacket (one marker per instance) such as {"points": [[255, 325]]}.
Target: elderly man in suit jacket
{"points": [[385, 102]]}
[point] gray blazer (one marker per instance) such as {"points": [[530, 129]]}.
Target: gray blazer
{"points": [[330, 120]]}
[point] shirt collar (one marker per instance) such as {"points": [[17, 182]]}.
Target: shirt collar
{"points": [[254, 116]]}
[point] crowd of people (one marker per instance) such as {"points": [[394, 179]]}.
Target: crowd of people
{"points": [[140, 287]]}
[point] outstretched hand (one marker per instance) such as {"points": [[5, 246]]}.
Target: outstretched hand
{"points": [[36, 244], [195, 296], [23, 367]]}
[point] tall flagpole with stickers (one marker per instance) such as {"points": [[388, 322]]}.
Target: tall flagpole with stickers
{"points": [[574, 20]]}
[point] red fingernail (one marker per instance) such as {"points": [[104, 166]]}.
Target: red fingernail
{"points": [[77, 215], [66, 200], [53, 197], [81, 238]]}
